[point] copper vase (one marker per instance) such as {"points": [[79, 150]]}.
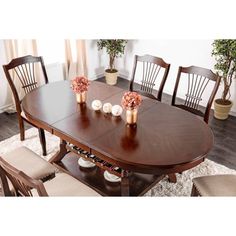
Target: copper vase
{"points": [[131, 116], [81, 97]]}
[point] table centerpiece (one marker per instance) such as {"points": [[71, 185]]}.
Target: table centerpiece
{"points": [[80, 86], [130, 102]]}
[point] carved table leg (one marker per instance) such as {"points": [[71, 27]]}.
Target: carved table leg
{"points": [[125, 183], [172, 178], [61, 153]]}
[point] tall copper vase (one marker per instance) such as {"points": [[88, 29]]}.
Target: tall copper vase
{"points": [[131, 116], [81, 97]]}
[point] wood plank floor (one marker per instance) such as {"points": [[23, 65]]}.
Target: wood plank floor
{"points": [[223, 152], [9, 125]]}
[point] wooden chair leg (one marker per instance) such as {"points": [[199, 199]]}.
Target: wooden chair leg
{"points": [[5, 191], [42, 141], [22, 128], [172, 178], [194, 192]]}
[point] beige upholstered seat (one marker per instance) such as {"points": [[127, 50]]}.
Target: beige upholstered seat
{"points": [[23, 168], [30, 163], [215, 185], [65, 185]]}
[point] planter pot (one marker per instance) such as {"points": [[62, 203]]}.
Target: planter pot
{"points": [[221, 111], [111, 77]]}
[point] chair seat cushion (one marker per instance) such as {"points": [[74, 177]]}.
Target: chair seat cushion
{"points": [[65, 185], [216, 185], [30, 163]]}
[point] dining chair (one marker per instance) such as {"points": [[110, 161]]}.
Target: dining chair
{"points": [[214, 185], [196, 79], [62, 185], [23, 70], [30, 163], [152, 71]]}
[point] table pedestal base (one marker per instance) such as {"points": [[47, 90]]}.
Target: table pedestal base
{"points": [[133, 184]]}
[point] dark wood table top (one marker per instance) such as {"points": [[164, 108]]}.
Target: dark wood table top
{"points": [[164, 139]]}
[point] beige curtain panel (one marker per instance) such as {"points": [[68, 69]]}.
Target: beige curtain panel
{"points": [[75, 58]]}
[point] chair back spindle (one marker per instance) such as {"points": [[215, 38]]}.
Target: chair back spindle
{"points": [[26, 75], [198, 80], [23, 69], [151, 68]]}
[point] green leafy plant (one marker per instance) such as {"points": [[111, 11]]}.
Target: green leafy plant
{"points": [[114, 48], [224, 51]]}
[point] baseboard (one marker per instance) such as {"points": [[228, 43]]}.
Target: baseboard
{"points": [[96, 76], [232, 113], [124, 76], [5, 107]]}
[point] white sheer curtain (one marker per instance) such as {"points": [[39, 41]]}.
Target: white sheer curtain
{"points": [[75, 58]]}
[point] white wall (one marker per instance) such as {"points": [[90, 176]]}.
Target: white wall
{"points": [[176, 52], [97, 60]]}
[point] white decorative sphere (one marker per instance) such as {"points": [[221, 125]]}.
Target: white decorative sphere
{"points": [[116, 110], [96, 105], [107, 107]]}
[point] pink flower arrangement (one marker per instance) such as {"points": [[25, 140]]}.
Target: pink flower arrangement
{"points": [[131, 100], [80, 84]]}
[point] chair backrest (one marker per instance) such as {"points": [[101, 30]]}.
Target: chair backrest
{"points": [[198, 79], [20, 181], [153, 69], [24, 70]]}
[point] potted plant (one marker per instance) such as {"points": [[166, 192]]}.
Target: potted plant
{"points": [[114, 48], [224, 51]]}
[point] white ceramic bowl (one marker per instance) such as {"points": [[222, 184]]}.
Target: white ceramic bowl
{"points": [[84, 163], [110, 177]]}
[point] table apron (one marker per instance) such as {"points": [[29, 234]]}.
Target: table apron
{"points": [[38, 124], [71, 140], [156, 170]]}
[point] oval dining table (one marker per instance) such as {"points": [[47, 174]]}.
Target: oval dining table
{"points": [[165, 140]]}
